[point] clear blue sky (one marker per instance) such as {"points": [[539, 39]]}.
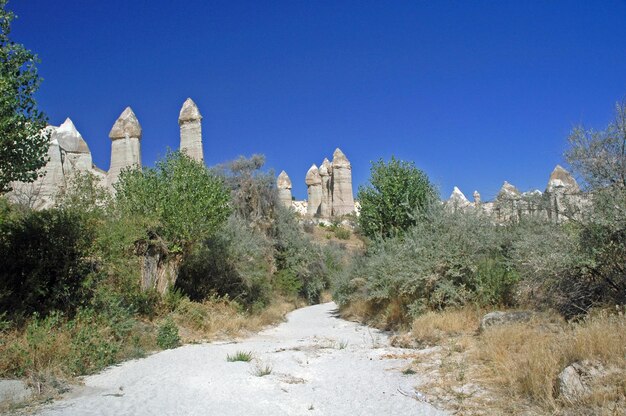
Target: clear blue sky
{"points": [[474, 92]]}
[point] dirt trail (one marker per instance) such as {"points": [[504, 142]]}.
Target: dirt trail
{"points": [[320, 365]]}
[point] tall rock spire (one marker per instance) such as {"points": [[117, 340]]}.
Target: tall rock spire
{"points": [[326, 205], [343, 199], [125, 138], [283, 183], [190, 122], [314, 189]]}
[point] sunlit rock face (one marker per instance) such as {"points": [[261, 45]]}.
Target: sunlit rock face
{"points": [[190, 122], [457, 200], [314, 190], [562, 181], [563, 196], [343, 199], [68, 155], [326, 172], [283, 183], [125, 145]]}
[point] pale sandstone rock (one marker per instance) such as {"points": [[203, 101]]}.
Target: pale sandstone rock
{"points": [[343, 199], [508, 191], [76, 154], [498, 318], [563, 196], [314, 189], [68, 154], [562, 180], [476, 198], [457, 200], [576, 380], [125, 145], [300, 207], [283, 183], [190, 122], [326, 206]]}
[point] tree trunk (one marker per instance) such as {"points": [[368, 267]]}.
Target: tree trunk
{"points": [[159, 267]]}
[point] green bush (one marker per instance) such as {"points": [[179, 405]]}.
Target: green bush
{"points": [[45, 262], [167, 336], [176, 205], [394, 197], [236, 262], [448, 260], [342, 233]]}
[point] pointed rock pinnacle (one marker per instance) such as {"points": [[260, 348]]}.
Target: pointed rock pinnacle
{"points": [[189, 112]]}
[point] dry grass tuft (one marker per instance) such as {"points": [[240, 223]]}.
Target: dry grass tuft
{"points": [[219, 318], [525, 360], [433, 327], [513, 369]]}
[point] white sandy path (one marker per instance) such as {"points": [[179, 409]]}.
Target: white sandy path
{"points": [[321, 365]]}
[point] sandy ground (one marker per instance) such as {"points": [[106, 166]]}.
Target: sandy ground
{"points": [[320, 365]]}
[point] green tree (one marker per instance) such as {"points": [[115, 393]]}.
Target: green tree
{"points": [[599, 157], [391, 202], [178, 203], [23, 143]]}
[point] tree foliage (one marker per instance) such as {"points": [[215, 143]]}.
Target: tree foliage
{"points": [[44, 262], [253, 191], [179, 199], [396, 193], [23, 142]]}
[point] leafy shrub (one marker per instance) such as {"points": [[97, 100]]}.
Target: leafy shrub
{"points": [[45, 262], [254, 194], [167, 336], [177, 204], [391, 202], [342, 233], [236, 262], [448, 260]]}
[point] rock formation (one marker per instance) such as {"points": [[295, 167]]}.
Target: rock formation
{"points": [[457, 200], [476, 199], [326, 206], [562, 181], [332, 197], [343, 199], [314, 190], [125, 145], [283, 184], [563, 195], [68, 154], [190, 122]]}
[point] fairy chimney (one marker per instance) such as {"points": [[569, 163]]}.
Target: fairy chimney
{"points": [[125, 145], [326, 205], [190, 122], [283, 184], [314, 190], [343, 200]]}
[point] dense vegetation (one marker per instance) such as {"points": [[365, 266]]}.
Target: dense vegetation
{"points": [[23, 142], [436, 271], [80, 283], [395, 196]]}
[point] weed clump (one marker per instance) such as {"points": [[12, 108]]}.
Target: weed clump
{"points": [[168, 337], [244, 356]]}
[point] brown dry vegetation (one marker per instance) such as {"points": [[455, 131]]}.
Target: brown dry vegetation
{"points": [[50, 353], [513, 369], [215, 319]]}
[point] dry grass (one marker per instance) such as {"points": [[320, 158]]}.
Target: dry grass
{"points": [[432, 327], [524, 361], [513, 369], [222, 318], [49, 353]]}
